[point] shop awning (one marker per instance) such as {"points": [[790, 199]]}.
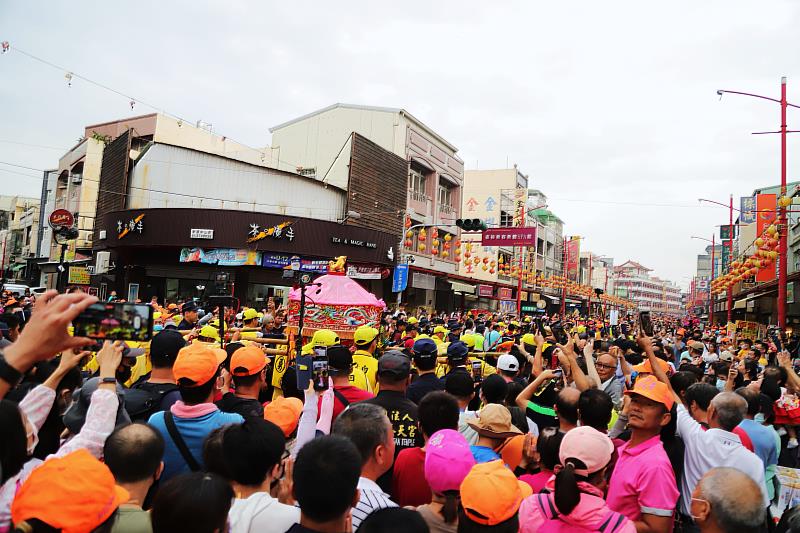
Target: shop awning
{"points": [[553, 299], [740, 304], [466, 288]]}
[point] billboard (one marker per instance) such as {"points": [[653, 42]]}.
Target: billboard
{"points": [[765, 211], [516, 236], [572, 258]]}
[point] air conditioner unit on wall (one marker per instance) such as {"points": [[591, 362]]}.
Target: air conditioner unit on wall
{"points": [[102, 260]]}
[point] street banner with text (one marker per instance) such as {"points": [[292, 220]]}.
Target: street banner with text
{"points": [[765, 207]]}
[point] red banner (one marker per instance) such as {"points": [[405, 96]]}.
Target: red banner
{"points": [[765, 215], [518, 236], [485, 291], [572, 259], [505, 293]]}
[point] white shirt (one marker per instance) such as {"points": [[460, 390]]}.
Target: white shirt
{"points": [[371, 498], [711, 449], [261, 512]]}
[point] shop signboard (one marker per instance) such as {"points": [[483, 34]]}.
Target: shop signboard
{"points": [[514, 236], [485, 291], [508, 306], [750, 330], [748, 210], [269, 260], [78, 276], [364, 272], [220, 256], [505, 293], [400, 279]]}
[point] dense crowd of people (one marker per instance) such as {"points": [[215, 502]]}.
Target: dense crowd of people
{"points": [[463, 422]]}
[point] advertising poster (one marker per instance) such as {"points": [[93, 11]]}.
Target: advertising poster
{"points": [[765, 205], [220, 256], [573, 255]]}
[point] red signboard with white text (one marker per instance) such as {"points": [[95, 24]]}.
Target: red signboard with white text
{"points": [[765, 215], [572, 258], [519, 236]]}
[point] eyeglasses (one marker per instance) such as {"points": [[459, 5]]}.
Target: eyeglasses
{"points": [[607, 367]]}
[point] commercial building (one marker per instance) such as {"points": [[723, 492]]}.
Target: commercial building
{"points": [[19, 220], [635, 283], [170, 217], [418, 180]]}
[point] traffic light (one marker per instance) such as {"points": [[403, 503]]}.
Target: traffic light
{"points": [[471, 224]]}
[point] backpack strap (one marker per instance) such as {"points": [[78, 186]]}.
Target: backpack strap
{"points": [[169, 421], [339, 396], [546, 507], [612, 522]]}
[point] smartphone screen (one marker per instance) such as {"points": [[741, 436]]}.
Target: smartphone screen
{"points": [[559, 333], [646, 323], [303, 371], [477, 371], [115, 321], [319, 368]]}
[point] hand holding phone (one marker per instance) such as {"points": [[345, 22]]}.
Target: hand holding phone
{"points": [[319, 368], [115, 321], [646, 323]]}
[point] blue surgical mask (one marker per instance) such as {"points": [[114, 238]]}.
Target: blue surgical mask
{"points": [[158, 327], [721, 384]]}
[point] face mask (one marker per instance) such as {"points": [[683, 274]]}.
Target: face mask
{"points": [[759, 418], [158, 327], [720, 384]]}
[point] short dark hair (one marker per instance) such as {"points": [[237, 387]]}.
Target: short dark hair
{"points": [[701, 394], [594, 407], [10, 319], [247, 381], [252, 449], [133, 452], [394, 520], [753, 399], [196, 501], [459, 384], [567, 409], [437, 410], [494, 389], [466, 525], [365, 424], [325, 477], [213, 456], [424, 363], [198, 394], [682, 380]]}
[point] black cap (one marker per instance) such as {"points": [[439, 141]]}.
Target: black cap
{"points": [[457, 352], [189, 306], [394, 363], [167, 343], [425, 349], [340, 358], [453, 325]]}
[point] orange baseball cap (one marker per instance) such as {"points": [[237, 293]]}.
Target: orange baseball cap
{"points": [[198, 363], [248, 360], [284, 413], [653, 389], [74, 493], [496, 479], [512, 451], [646, 368]]}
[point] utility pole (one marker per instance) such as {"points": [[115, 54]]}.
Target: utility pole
{"points": [[730, 258]]}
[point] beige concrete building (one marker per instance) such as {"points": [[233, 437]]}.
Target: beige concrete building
{"points": [[19, 220]]}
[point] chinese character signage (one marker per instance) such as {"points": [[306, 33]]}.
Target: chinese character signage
{"points": [[220, 256], [134, 225], [726, 232], [268, 260], [505, 293], [199, 233], [485, 291], [765, 216], [748, 210], [572, 258], [519, 236], [78, 276], [279, 231]]}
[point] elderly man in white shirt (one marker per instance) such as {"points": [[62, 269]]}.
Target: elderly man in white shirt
{"points": [[716, 447]]}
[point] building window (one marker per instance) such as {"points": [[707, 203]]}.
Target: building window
{"points": [[417, 185], [506, 219], [445, 199]]}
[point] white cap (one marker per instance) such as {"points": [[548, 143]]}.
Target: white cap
{"points": [[726, 356], [508, 363]]}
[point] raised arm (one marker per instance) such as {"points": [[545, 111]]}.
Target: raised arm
{"points": [[646, 344], [527, 393], [581, 381], [591, 370]]}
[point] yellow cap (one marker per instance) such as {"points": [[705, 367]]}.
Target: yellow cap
{"points": [[501, 324], [156, 315], [469, 340], [412, 320], [209, 331], [364, 335], [527, 320], [529, 338], [440, 329], [250, 314], [321, 337]]}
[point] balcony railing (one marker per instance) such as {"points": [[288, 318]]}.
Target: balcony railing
{"points": [[447, 209], [417, 196]]}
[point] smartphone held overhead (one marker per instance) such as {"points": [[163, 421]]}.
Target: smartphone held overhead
{"points": [[115, 321]]}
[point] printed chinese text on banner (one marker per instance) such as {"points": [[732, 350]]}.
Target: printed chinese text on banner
{"points": [[748, 210], [518, 236], [573, 254], [765, 215]]}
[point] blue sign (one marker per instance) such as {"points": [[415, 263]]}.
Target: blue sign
{"points": [[319, 266], [748, 210], [400, 279]]}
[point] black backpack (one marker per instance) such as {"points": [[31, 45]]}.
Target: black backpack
{"points": [[144, 399]]}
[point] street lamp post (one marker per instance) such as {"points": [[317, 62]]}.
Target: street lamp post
{"points": [[782, 227]]}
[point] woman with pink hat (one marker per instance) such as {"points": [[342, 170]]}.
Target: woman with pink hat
{"points": [[575, 501], [448, 460]]}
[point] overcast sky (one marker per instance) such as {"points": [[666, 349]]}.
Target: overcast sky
{"points": [[609, 107]]}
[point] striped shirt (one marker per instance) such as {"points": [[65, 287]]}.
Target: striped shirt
{"points": [[371, 499]]}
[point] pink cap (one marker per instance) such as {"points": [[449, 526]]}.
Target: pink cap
{"points": [[448, 460], [589, 446]]}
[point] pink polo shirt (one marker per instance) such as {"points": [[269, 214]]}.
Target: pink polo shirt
{"points": [[643, 481]]}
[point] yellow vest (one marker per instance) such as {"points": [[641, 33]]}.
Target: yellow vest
{"points": [[368, 365]]}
